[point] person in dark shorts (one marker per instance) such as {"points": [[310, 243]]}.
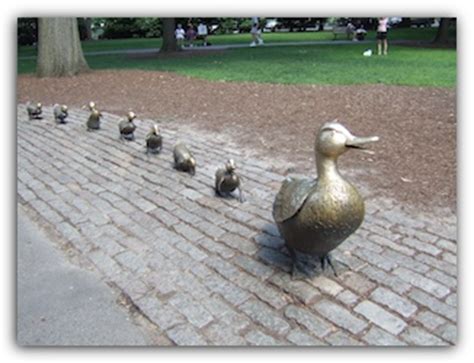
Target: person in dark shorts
{"points": [[382, 43]]}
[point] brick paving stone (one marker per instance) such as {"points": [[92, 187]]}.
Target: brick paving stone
{"points": [[376, 336], [223, 335], [340, 338], [314, 324], [421, 246], [132, 286], [188, 232], [445, 231], [163, 315], [385, 242], [239, 243], [131, 261], [105, 263], [452, 300], [265, 316], [326, 285], [256, 337], [380, 317], [340, 316], [347, 297], [393, 301], [422, 282], [227, 290], [195, 253], [191, 309], [405, 261], [447, 245], [448, 332], [433, 304], [298, 337], [418, 336], [210, 270], [437, 263], [254, 267], [210, 229], [449, 257], [356, 282], [301, 290], [185, 335], [443, 278], [429, 320], [375, 259]]}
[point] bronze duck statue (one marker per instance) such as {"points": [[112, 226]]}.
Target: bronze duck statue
{"points": [[314, 216], [34, 111], [60, 113], [93, 122], [227, 180], [127, 127], [183, 159], [154, 140]]}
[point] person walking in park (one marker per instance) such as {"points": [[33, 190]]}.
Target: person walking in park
{"points": [[202, 33], [179, 34], [382, 43], [190, 34], [256, 33]]}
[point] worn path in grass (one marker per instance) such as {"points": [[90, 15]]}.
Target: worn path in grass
{"points": [[203, 270]]}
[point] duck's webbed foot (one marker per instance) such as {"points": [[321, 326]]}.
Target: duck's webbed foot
{"points": [[300, 268], [327, 259]]}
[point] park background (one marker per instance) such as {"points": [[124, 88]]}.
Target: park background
{"points": [[463, 82]]}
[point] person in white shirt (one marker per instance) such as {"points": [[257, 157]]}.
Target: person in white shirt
{"points": [[202, 32], [179, 34], [382, 36], [256, 33]]}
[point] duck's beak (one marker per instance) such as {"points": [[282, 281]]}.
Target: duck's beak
{"points": [[360, 142]]}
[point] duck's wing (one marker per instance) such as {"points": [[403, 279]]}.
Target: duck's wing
{"points": [[291, 197]]}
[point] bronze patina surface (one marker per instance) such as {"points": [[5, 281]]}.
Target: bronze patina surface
{"points": [[154, 140], [314, 216], [127, 127], [60, 113], [227, 180], [93, 122], [34, 111], [183, 159]]}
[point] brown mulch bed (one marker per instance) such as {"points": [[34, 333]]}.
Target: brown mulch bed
{"points": [[414, 162]]}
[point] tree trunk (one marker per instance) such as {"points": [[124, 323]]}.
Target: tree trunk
{"points": [[88, 26], [169, 40], [442, 36], [59, 48]]}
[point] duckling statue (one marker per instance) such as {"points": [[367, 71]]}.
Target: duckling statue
{"points": [[34, 111], [127, 127], [93, 122], [315, 216], [183, 159], [60, 113], [227, 180], [154, 141]]}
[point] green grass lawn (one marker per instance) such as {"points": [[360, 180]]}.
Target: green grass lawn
{"points": [[321, 64], [146, 43]]}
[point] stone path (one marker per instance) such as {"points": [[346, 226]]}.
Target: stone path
{"points": [[209, 271]]}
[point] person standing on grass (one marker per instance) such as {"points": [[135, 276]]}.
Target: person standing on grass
{"points": [[202, 33], [382, 43], [256, 33], [179, 35], [191, 34]]}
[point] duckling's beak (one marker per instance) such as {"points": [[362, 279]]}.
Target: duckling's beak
{"points": [[360, 142]]}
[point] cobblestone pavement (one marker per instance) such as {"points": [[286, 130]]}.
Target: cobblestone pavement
{"points": [[210, 271]]}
